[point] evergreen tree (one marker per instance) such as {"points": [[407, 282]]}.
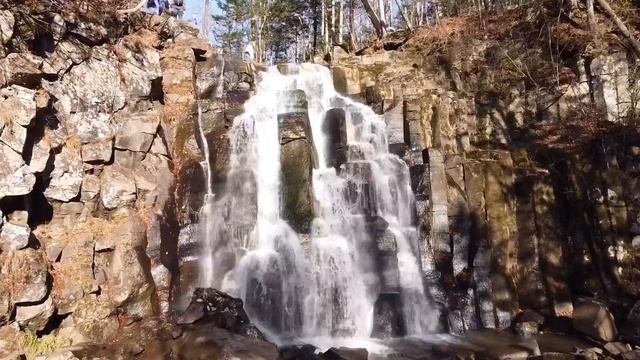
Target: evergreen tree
{"points": [[230, 28]]}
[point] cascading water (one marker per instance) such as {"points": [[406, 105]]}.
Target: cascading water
{"points": [[324, 284]]}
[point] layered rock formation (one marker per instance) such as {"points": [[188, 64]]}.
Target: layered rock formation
{"points": [[512, 219]]}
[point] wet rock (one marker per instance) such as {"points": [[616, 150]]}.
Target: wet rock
{"points": [[7, 22], [336, 129], [345, 354], [387, 317], [14, 237], [98, 151], [295, 352], [16, 178], [17, 105], [66, 177], [20, 69], [117, 187], [35, 317], [217, 308], [594, 319], [297, 159]]}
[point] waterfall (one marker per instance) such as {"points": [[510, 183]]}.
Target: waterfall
{"points": [[324, 283]]}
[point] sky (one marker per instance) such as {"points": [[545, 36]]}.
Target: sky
{"points": [[195, 7]]}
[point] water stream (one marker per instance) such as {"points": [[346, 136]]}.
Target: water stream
{"points": [[321, 285]]}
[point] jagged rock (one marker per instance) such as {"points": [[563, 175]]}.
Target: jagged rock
{"points": [[14, 136], [58, 27], [21, 69], [17, 105], [66, 177], [35, 317], [215, 307], [128, 159], [27, 272], [90, 187], [117, 187], [40, 154], [83, 102], [345, 354], [594, 319], [140, 62], [138, 132], [7, 22], [67, 53], [16, 178], [99, 151], [14, 237]]}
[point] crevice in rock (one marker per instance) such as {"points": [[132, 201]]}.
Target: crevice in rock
{"points": [[53, 324]]}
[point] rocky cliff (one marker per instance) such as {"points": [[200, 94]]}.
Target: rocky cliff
{"points": [[525, 170], [98, 120]]}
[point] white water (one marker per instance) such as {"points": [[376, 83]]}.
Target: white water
{"points": [[323, 285]]}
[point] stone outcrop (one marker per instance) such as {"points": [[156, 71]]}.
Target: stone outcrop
{"points": [[493, 201]]}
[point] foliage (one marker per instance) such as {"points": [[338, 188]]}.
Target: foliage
{"points": [[35, 346]]}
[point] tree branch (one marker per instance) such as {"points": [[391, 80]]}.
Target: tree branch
{"points": [[635, 44], [133, 9]]}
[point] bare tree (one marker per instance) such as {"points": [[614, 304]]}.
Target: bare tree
{"points": [[635, 44], [378, 25]]}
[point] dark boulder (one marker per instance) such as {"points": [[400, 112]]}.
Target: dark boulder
{"points": [[345, 354], [222, 310], [298, 352], [387, 317]]}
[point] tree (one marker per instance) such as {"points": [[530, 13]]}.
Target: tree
{"points": [[230, 28]]}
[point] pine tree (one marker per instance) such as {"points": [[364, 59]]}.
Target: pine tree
{"points": [[230, 28]]}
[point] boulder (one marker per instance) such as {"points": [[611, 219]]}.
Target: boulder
{"points": [[16, 178], [345, 354], [10, 337], [18, 105], [137, 131], [74, 272], [99, 151], [14, 237], [297, 162], [129, 280], [20, 69], [90, 188], [217, 308], [35, 316], [595, 320], [27, 272], [66, 176], [346, 80], [7, 22], [40, 154], [139, 62], [117, 187], [66, 54], [14, 135], [208, 77]]}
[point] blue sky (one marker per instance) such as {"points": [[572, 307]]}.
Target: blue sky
{"points": [[195, 7]]}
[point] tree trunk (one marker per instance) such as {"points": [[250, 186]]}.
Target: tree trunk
{"points": [[591, 17], [635, 44], [340, 22], [332, 28], [375, 21], [381, 13], [352, 29], [315, 27], [404, 15], [205, 19]]}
